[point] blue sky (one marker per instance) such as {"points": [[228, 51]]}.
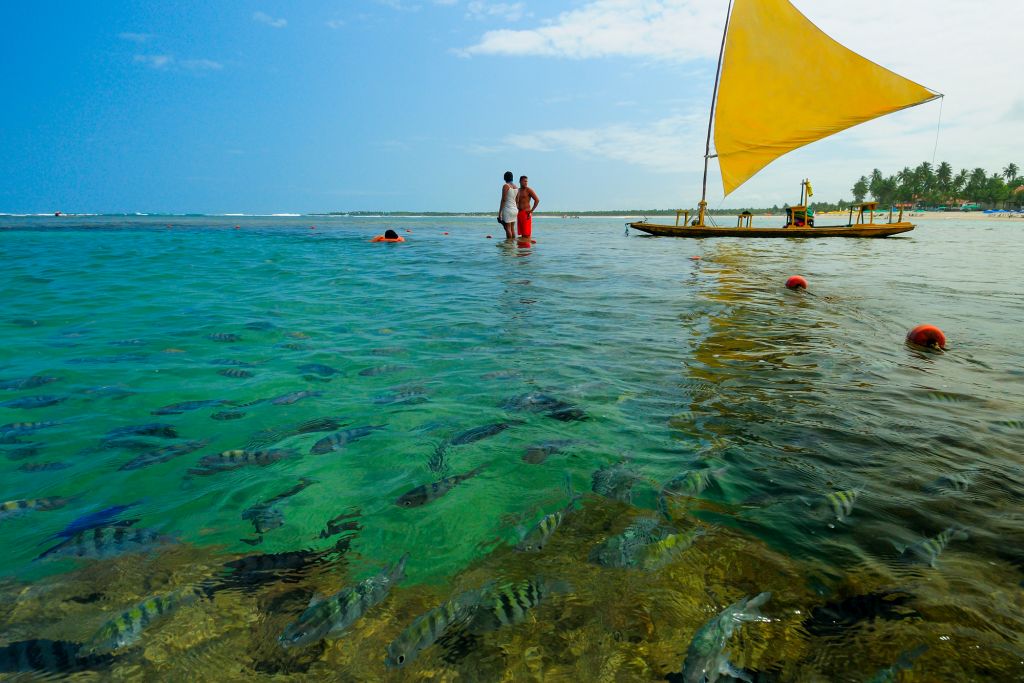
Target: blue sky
{"points": [[262, 107]]}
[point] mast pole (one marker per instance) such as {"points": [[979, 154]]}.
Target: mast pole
{"points": [[711, 119]]}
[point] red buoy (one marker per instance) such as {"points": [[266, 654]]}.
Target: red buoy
{"points": [[236, 227], [928, 336], [444, 233], [695, 258], [796, 282], [408, 230]]}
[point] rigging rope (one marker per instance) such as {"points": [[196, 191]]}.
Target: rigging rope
{"points": [[938, 127]]}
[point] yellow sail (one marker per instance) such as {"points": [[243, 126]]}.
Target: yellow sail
{"points": [[785, 84]]}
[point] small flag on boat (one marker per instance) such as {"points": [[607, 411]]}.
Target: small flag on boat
{"points": [[810, 191]]}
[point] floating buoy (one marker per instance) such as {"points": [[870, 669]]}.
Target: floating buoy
{"points": [[312, 227], [408, 230], [489, 237], [444, 233], [928, 336], [695, 258], [796, 282], [236, 227]]}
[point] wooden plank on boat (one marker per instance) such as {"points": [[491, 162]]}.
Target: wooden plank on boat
{"points": [[824, 231]]}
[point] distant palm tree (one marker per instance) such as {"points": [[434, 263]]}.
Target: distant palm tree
{"points": [[959, 183], [1010, 173], [944, 176], [876, 184]]}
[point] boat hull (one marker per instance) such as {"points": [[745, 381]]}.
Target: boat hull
{"points": [[836, 231]]}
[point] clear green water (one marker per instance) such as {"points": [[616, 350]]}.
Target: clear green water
{"points": [[677, 363]]}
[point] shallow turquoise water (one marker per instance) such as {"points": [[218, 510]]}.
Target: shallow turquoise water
{"points": [[676, 363]]}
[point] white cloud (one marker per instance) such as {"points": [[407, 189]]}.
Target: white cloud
{"points": [[155, 61], [399, 5], [665, 29], [264, 18], [135, 37], [667, 145], [161, 62], [504, 11], [202, 64], [335, 23]]}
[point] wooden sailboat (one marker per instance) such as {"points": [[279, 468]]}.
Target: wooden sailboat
{"points": [[782, 83]]}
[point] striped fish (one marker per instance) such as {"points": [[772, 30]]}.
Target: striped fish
{"points": [[427, 628], [18, 428], [338, 440], [660, 553], [331, 616], [47, 656], [946, 397], [626, 549], [32, 402], [319, 369], [234, 373], [478, 433], [615, 481], [957, 482], [706, 659], [692, 483], [539, 535], [126, 628], [538, 453], [176, 408], [232, 361], [294, 397], [412, 397], [105, 541], [44, 466], [157, 429], [928, 551], [271, 436], [163, 454], [427, 493], [232, 460], [382, 370], [841, 502], [29, 450], [509, 604], [26, 383], [16, 507]]}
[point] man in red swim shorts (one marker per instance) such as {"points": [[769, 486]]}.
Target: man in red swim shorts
{"points": [[524, 220]]}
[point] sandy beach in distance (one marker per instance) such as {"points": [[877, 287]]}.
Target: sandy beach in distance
{"points": [[944, 215], [964, 216]]}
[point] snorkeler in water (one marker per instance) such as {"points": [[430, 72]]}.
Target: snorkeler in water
{"points": [[388, 236]]}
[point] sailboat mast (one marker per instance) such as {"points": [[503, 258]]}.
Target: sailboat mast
{"points": [[711, 115]]}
